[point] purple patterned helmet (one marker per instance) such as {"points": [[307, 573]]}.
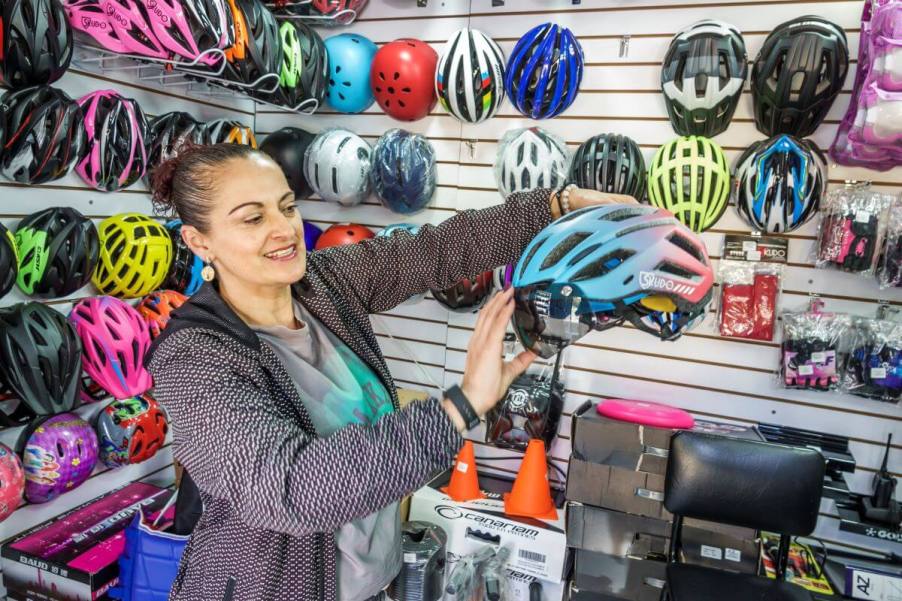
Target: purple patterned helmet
{"points": [[59, 455]]}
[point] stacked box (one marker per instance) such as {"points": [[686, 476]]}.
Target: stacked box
{"points": [[617, 524]]}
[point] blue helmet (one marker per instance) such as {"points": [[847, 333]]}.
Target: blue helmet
{"points": [[598, 266], [544, 71], [403, 173], [311, 235], [184, 273], [780, 182], [350, 56]]}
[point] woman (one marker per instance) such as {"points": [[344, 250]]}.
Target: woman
{"points": [[283, 410]]}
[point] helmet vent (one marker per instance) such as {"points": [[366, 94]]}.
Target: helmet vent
{"points": [[623, 214], [603, 265], [686, 246], [562, 249], [532, 254], [676, 270]]}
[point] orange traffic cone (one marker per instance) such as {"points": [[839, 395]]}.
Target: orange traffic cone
{"points": [[464, 485], [531, 495]]}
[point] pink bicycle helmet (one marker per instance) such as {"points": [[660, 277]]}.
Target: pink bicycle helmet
{"points": [[116, 132], [120, 26], [115, 339], [12, 482], [58, 455], [187, 28]]}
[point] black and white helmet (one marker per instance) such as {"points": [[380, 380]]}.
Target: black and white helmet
{"points": [[469, 81], [530, 158], [337, 166], [702, 77]]}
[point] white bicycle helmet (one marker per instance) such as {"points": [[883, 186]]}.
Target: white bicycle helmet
{"points": [[530, 158], [469, 81], [337, 166], [702, 77]]}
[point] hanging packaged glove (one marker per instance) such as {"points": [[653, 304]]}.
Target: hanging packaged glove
{"points": [[874, 366], [811, 348], [750, 275], [889, 274], [852, 229]]}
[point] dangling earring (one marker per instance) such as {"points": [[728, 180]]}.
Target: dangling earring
{"points": [[207, 273]]}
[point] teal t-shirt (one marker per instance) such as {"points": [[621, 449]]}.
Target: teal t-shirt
{"points": [[339, 389]]}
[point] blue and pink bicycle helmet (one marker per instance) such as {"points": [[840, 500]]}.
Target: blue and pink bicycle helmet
{"points": [[600, 266]]}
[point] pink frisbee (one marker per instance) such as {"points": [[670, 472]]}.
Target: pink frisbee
{"points": [[645, 413]]}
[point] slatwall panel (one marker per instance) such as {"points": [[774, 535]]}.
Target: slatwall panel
{"points": [[713, 377], [19, 201]]}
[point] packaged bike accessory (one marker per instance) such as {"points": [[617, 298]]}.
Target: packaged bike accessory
{"points": [[423, 569], [531, 409], [811, 348], [852, 229], [750, 275], [889, 273], [874, 366]]}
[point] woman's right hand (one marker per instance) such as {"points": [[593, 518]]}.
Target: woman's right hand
{"points": [[486, 375]]}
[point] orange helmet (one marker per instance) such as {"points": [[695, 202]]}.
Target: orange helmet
{"points": [[156, 307]]}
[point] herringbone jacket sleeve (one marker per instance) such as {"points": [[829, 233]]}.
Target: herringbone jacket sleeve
{"points": [[473, 241], [242, 444]]}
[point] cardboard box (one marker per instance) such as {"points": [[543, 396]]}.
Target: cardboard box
{"points": [[704, 543], [617, 488], [537, 547], [598, 439], [75, 555], [632, 577]]}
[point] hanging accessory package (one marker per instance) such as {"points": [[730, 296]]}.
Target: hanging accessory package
{"points": [[852, 229], [811, 348], [422, 572], [889, 272], [750, 274], [874, 367]]}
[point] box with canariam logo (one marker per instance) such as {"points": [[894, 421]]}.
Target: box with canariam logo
{"points": [[74, 556], [537, 547]]}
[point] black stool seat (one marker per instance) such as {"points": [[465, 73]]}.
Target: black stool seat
{"points": [[695, 583]]}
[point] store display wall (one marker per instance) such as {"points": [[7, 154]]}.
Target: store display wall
{"points": [[713, 377], [19, 201]]}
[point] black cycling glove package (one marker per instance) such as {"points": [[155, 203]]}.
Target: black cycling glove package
{"points": [[852, 229], [811, 350], [889, 273], [874, 366]]}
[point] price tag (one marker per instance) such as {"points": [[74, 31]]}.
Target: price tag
{"points": [[732, 554], [749, 246], [712, 552], [462, 467], [753, 255], [806, 370], [862, 216], [819, 357], [410, 558], [878, 373]]}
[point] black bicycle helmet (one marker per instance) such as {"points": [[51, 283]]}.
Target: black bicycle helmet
{"points": [[467, 295], [45, 134], [609, 163], [40, 360], [57, 252], [167, 134], [304, 68], [702, 78], [798, 73], [287, 147], [9, 263], [258, 51], [35, 42]]}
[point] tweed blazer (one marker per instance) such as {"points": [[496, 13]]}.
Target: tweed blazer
{"points": [[273, 493]]}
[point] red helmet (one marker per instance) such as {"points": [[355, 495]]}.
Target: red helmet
{"points": [[343, 233], [403, 79], [156, 307]]}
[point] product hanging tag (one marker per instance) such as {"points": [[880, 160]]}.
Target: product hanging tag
{"points": [[750, 273]]}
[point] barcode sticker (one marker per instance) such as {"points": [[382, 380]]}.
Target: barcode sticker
{"points": [[749, 246], [531, 556], [732, 555], [712, 552], [410, 558], [806, 370], [819, 357], [862, 216], [878, 373], [462, 467]]}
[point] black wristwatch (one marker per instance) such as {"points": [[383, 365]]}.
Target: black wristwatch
{"points": [[463, 406]]}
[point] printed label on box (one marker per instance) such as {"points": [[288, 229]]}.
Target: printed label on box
{"points": [[712, 552], [732, 555], [874, 587]]}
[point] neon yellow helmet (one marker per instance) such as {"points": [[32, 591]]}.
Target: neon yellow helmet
{"points": [[689, 177], [135, 255]]}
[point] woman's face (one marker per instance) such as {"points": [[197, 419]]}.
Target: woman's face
{"points": [[255, 233]]}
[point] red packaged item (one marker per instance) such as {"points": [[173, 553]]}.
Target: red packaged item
{"points": [[764, 302], [737, 308], [749, 275]]}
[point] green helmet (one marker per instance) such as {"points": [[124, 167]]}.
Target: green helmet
{"points": [[292, 56], [689, 177], [9, 260]]}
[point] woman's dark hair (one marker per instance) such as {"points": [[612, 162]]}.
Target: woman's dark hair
{"points": [[184, 185]]}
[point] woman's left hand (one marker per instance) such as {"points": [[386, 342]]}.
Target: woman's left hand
{"points": [[583, 197]]}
